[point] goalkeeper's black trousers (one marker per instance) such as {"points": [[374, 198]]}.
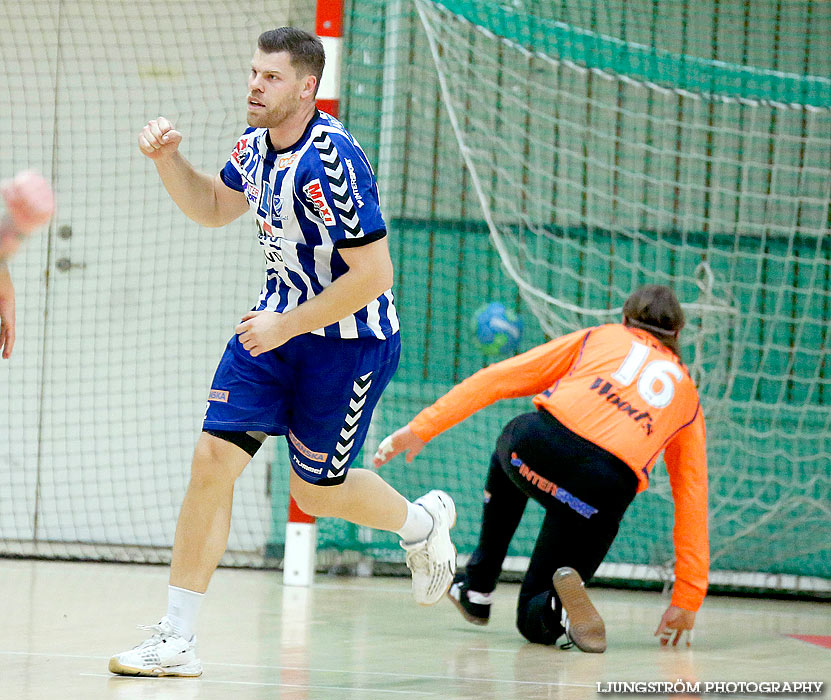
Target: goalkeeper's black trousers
{"points": [[585, 491]]}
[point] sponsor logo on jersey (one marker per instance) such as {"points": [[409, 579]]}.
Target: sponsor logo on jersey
{"points": [[641, 417], [306, 467], [546, 486], [239, 148], [286, 161], [277, 209], [252, 192], [273, 255], [266, 233], [270, 242], [353, 182], [305, 451], [218, 395], [248, 163], [315, 194]]}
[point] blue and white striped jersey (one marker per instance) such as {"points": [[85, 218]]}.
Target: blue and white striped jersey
{"points": [[310, 200]]}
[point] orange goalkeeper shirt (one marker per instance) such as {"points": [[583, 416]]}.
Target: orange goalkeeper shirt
{"points": [[624, 391]]}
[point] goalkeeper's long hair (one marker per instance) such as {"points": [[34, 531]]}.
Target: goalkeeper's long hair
{"points": [[655, 309]]}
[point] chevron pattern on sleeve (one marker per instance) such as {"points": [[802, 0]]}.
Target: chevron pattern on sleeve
{"points": [[346, 440], [339, 184]]}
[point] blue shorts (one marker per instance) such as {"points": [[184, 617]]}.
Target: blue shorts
{"points": [[319, 392]]}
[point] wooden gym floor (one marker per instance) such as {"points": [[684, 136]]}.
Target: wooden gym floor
{"points": [[365, 639]]}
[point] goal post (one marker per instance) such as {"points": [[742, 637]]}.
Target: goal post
{"points": [[600, 164], [299, 557]]}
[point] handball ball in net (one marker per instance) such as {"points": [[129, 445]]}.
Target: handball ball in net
{"points": [[497, 330]]}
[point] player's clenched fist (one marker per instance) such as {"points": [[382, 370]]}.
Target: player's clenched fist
{"points": [[29, 204], [159, 139], [29, 200]]}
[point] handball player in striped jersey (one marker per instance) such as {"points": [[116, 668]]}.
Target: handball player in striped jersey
{"points": [[610, 400], [29, 204], [311, 358]]}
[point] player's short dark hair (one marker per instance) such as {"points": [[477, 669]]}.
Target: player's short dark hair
{"points": [[655, 309], [305, 50]]}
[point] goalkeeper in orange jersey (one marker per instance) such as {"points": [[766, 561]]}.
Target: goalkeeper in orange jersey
{"points": [[29, 204], [609, 400]]}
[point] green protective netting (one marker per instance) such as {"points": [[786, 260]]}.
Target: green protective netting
{"points": [[518, 23], [575, 151]]}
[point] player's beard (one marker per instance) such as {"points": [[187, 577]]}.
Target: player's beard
{"points": [[275, 116]]}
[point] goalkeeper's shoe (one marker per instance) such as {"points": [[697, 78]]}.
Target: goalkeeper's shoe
{"points": [[475, 607], [165, 653], [433, 561], [582, 623]]}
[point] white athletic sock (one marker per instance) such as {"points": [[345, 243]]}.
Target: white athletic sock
{"points": [[480, 598], [417, 526], [182, 609]]}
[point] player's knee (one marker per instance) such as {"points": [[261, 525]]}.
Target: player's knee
{"points": [[537, 622], [522, 623], [202, 476], [533, 630], [317, 501], [209, 467]]}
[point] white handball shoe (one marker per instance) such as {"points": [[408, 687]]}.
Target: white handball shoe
{"points": [[164, 654], [433, 561]]}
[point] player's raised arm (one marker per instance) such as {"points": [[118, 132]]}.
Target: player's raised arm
{"points": [[29, 204], [6, 311], [202, 197]]}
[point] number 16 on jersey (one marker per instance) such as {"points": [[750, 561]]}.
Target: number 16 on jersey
{"points": [[655, 380]]}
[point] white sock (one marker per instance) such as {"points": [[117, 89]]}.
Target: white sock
{"points": [[417, 526], [480, 598], [182, 609]]}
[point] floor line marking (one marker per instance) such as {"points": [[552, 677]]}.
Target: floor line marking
{"points": [[134, 679], [417, 676]]}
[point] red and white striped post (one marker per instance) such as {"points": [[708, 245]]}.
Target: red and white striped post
{"points": [[301, 529], [329, 27]]}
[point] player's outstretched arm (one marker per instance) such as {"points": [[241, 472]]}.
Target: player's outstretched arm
{"points": [[203, 198], [674, 622], [29, 204], [402, 440]]}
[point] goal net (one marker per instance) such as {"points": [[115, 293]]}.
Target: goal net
{"points": [[601, 164], [123, 304], [606, 143]]}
